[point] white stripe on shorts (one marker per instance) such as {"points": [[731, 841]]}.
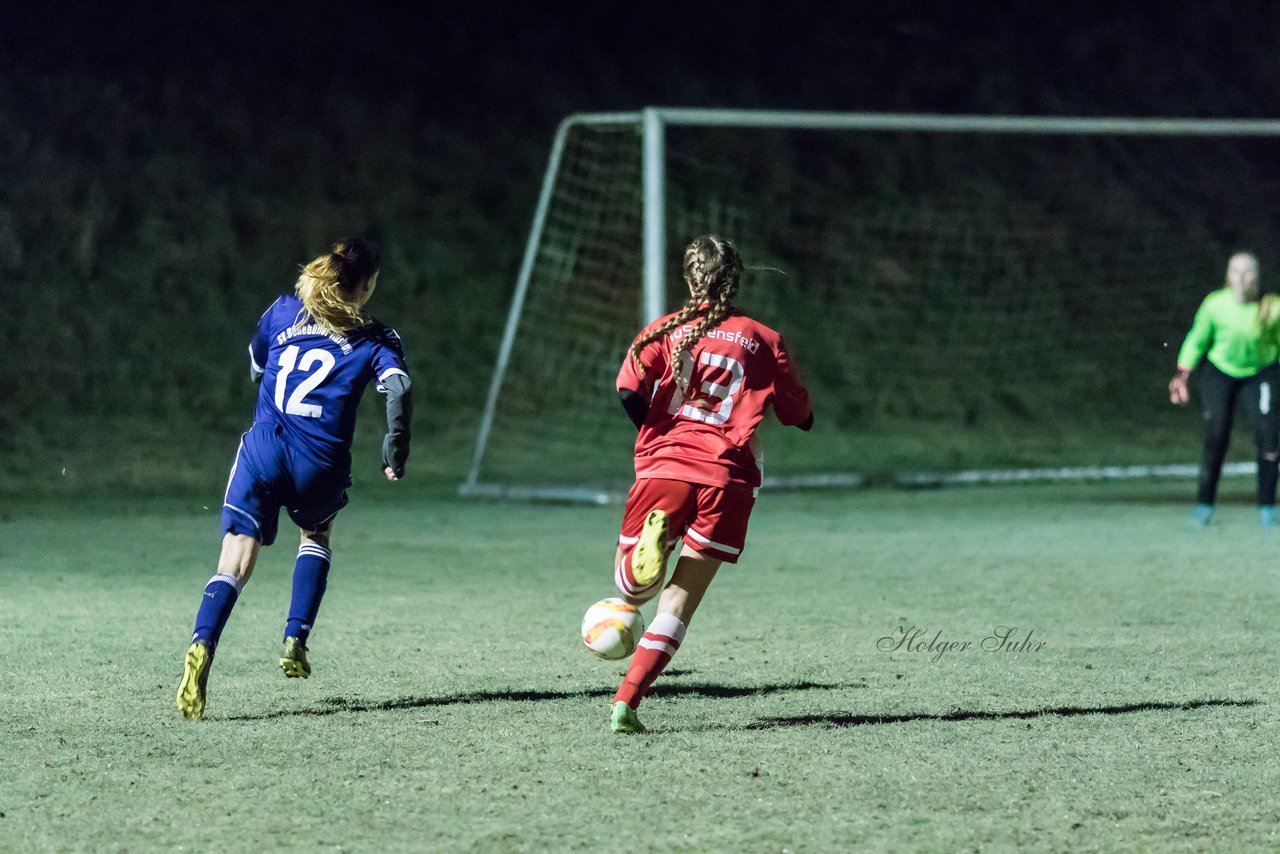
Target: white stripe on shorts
{"points": [[713, 544], [235, 464], [245, 514]]}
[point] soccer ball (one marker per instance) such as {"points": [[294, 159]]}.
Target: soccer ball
{"points": [[611, 628]]}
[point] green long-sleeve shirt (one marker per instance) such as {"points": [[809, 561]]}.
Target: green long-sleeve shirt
{"points": [[1226, 331]]}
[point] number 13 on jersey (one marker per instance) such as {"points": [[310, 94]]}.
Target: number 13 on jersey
{"points": [[721, 393]]}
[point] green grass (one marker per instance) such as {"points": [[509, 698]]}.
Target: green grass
{"points": [[452, 706]]}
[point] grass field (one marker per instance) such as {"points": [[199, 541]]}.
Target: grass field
{"points": [[452, 706]]}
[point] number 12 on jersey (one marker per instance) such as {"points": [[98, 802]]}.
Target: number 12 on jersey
{"points": [[719, 392], [322, 360]]}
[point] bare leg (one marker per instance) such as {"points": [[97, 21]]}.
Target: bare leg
{"points": [[238, 558], [318, 538], [679, 599], [693, 574]]}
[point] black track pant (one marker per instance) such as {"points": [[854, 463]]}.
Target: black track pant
{"points": [[1218, 393]]}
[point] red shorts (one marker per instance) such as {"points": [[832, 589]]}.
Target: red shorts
{"points": [[711, 519]]}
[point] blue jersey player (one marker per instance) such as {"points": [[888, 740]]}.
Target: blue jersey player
{"points": [[313, 354]]}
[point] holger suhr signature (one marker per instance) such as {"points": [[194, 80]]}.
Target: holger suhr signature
{"points": [[918, 639]]}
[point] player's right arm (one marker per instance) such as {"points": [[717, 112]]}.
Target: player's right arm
{"points": [[1198, 341], [392, 375], [395, 445]]}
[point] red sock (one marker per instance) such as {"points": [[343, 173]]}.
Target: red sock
{"points": [[653, 654]]}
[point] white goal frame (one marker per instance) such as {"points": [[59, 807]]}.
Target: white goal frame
{"points": [[652, 123]]}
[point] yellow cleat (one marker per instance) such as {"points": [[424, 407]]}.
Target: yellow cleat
{"points": [[623, 719], [649, 560], [293, 659], [195, 680]]}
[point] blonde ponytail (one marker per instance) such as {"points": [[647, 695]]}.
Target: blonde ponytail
{"points": [[328, 287]]}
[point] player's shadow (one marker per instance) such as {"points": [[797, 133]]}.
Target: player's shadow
{"points": [[338, 705], [839, 719]]}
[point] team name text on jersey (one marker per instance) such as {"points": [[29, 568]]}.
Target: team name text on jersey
{"points": [[314, 329], [751, 345]]}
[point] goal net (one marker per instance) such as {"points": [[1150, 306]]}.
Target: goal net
{"points": [[963, 295]]}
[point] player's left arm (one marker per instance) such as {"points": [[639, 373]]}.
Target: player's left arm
{"points": [[636, 382], [790, 397], [393, 380]]}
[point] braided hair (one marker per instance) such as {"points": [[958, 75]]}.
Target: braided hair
{"points": [[713, 270], [328, 285]]}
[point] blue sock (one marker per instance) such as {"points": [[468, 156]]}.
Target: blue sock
{"points": [[310, 575], [219, 598]]}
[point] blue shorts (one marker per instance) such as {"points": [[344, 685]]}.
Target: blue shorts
{"points": [[268, 475]]}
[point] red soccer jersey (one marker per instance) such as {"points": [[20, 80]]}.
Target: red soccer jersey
{"points": [[735, 373]]}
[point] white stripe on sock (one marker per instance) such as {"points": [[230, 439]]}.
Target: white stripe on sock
{"points": [[660, 646], [222, 578], [668, 625]]}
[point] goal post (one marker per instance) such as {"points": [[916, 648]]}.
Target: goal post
{"points": [[472, 486], [596, 266]]}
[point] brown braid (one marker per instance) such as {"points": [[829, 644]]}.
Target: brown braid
{"points": [[716, 312], [689, 309], [713, 270]]}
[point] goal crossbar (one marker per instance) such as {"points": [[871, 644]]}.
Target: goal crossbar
{"points": [[651, 122]]}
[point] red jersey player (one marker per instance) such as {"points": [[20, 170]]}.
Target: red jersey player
{"points": [[696, 383]]}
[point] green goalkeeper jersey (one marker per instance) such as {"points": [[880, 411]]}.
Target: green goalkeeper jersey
{"points": [[1228, 333]]}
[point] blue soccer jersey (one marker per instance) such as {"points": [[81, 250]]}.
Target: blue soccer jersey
{"points": [[313, 379]]}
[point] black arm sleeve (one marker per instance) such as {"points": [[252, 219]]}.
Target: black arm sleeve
{"points": [[395, 447], [635, 405]]}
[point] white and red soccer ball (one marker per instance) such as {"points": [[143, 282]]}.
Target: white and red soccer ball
{"points": [[611, 628]]}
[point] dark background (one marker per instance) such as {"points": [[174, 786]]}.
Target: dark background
{"points": [[165, 167]]}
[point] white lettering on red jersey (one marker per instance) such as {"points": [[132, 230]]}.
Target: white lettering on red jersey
{"points": [[735, 373]]}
